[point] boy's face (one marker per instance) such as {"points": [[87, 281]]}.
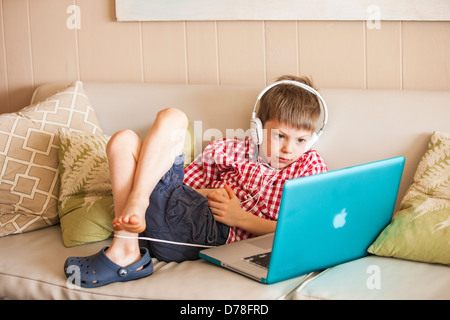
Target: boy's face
{"points": [[283, 144]]}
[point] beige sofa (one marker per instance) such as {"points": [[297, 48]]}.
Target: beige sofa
{"points": [[364, 126]]}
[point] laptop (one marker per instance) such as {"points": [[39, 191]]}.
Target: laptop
{"points": [[324, 220]]}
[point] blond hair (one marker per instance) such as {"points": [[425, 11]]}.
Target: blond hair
{"points": [[290, 105]]}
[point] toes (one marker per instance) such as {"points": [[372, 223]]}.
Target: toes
{"points": [[132, 223]]}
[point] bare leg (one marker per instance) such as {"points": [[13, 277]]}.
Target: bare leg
{"points": [[135, 169], [123, 153]]}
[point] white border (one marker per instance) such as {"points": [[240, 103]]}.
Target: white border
{"points": [[216, 10]]}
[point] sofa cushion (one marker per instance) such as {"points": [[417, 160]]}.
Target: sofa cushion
{"points": [[420, 230], [378, 278], [86, 206], [29, 143], [34, 269]]}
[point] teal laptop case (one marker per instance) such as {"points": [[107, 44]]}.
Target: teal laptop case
{"points": [[331, 218]]}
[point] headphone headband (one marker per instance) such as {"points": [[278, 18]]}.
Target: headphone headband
{"points": [[256, 124], [301, 85]]}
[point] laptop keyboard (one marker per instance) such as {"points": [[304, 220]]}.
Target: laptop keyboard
{"points": [[261, 259]]}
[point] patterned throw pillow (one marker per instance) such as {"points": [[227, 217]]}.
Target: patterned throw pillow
{"points": [[421, 229], [29, 164], [86, 207]]}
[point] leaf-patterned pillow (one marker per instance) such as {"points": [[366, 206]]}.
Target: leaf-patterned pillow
{"points": [[85, 201], [421, 229]]}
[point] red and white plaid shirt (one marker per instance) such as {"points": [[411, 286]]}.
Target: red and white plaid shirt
{"points": [[257, 186]]}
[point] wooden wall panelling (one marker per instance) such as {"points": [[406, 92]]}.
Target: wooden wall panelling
{"points": [[4, 96], [332, 52], [164, 52], [426, 55], [53, 42], [17, 53], [383, 56], [281, 49], [36, 46], [241, 52], [201, 52], [108, 51]]}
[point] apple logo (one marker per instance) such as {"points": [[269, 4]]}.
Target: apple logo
{"points": [[339, 219]]}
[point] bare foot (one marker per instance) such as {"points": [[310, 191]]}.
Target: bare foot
{"points": [[132, 219]]}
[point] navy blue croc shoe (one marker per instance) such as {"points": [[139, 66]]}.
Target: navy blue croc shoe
{"points": [[98, 270]]}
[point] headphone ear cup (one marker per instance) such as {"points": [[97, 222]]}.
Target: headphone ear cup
{"points": [[311, 141], [256, 131]]}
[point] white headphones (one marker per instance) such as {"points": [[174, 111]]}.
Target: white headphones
{"points": [[256, 127]]}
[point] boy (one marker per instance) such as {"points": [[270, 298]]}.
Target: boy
{"points": [[231, 192]]}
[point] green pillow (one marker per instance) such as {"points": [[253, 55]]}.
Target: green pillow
{"points": [[420, 230], [85, 204]]}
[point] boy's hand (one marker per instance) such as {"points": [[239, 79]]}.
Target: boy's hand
{"points": [[226, 207], [206, 192]]}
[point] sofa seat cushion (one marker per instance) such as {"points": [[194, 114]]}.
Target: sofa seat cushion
{"points": [[34, 270], [374, 277]]}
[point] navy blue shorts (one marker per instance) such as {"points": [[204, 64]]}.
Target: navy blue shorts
{"points": [[179, 213]]}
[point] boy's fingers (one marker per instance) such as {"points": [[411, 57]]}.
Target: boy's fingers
{"points": [[230, 192], [215, 196]]}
